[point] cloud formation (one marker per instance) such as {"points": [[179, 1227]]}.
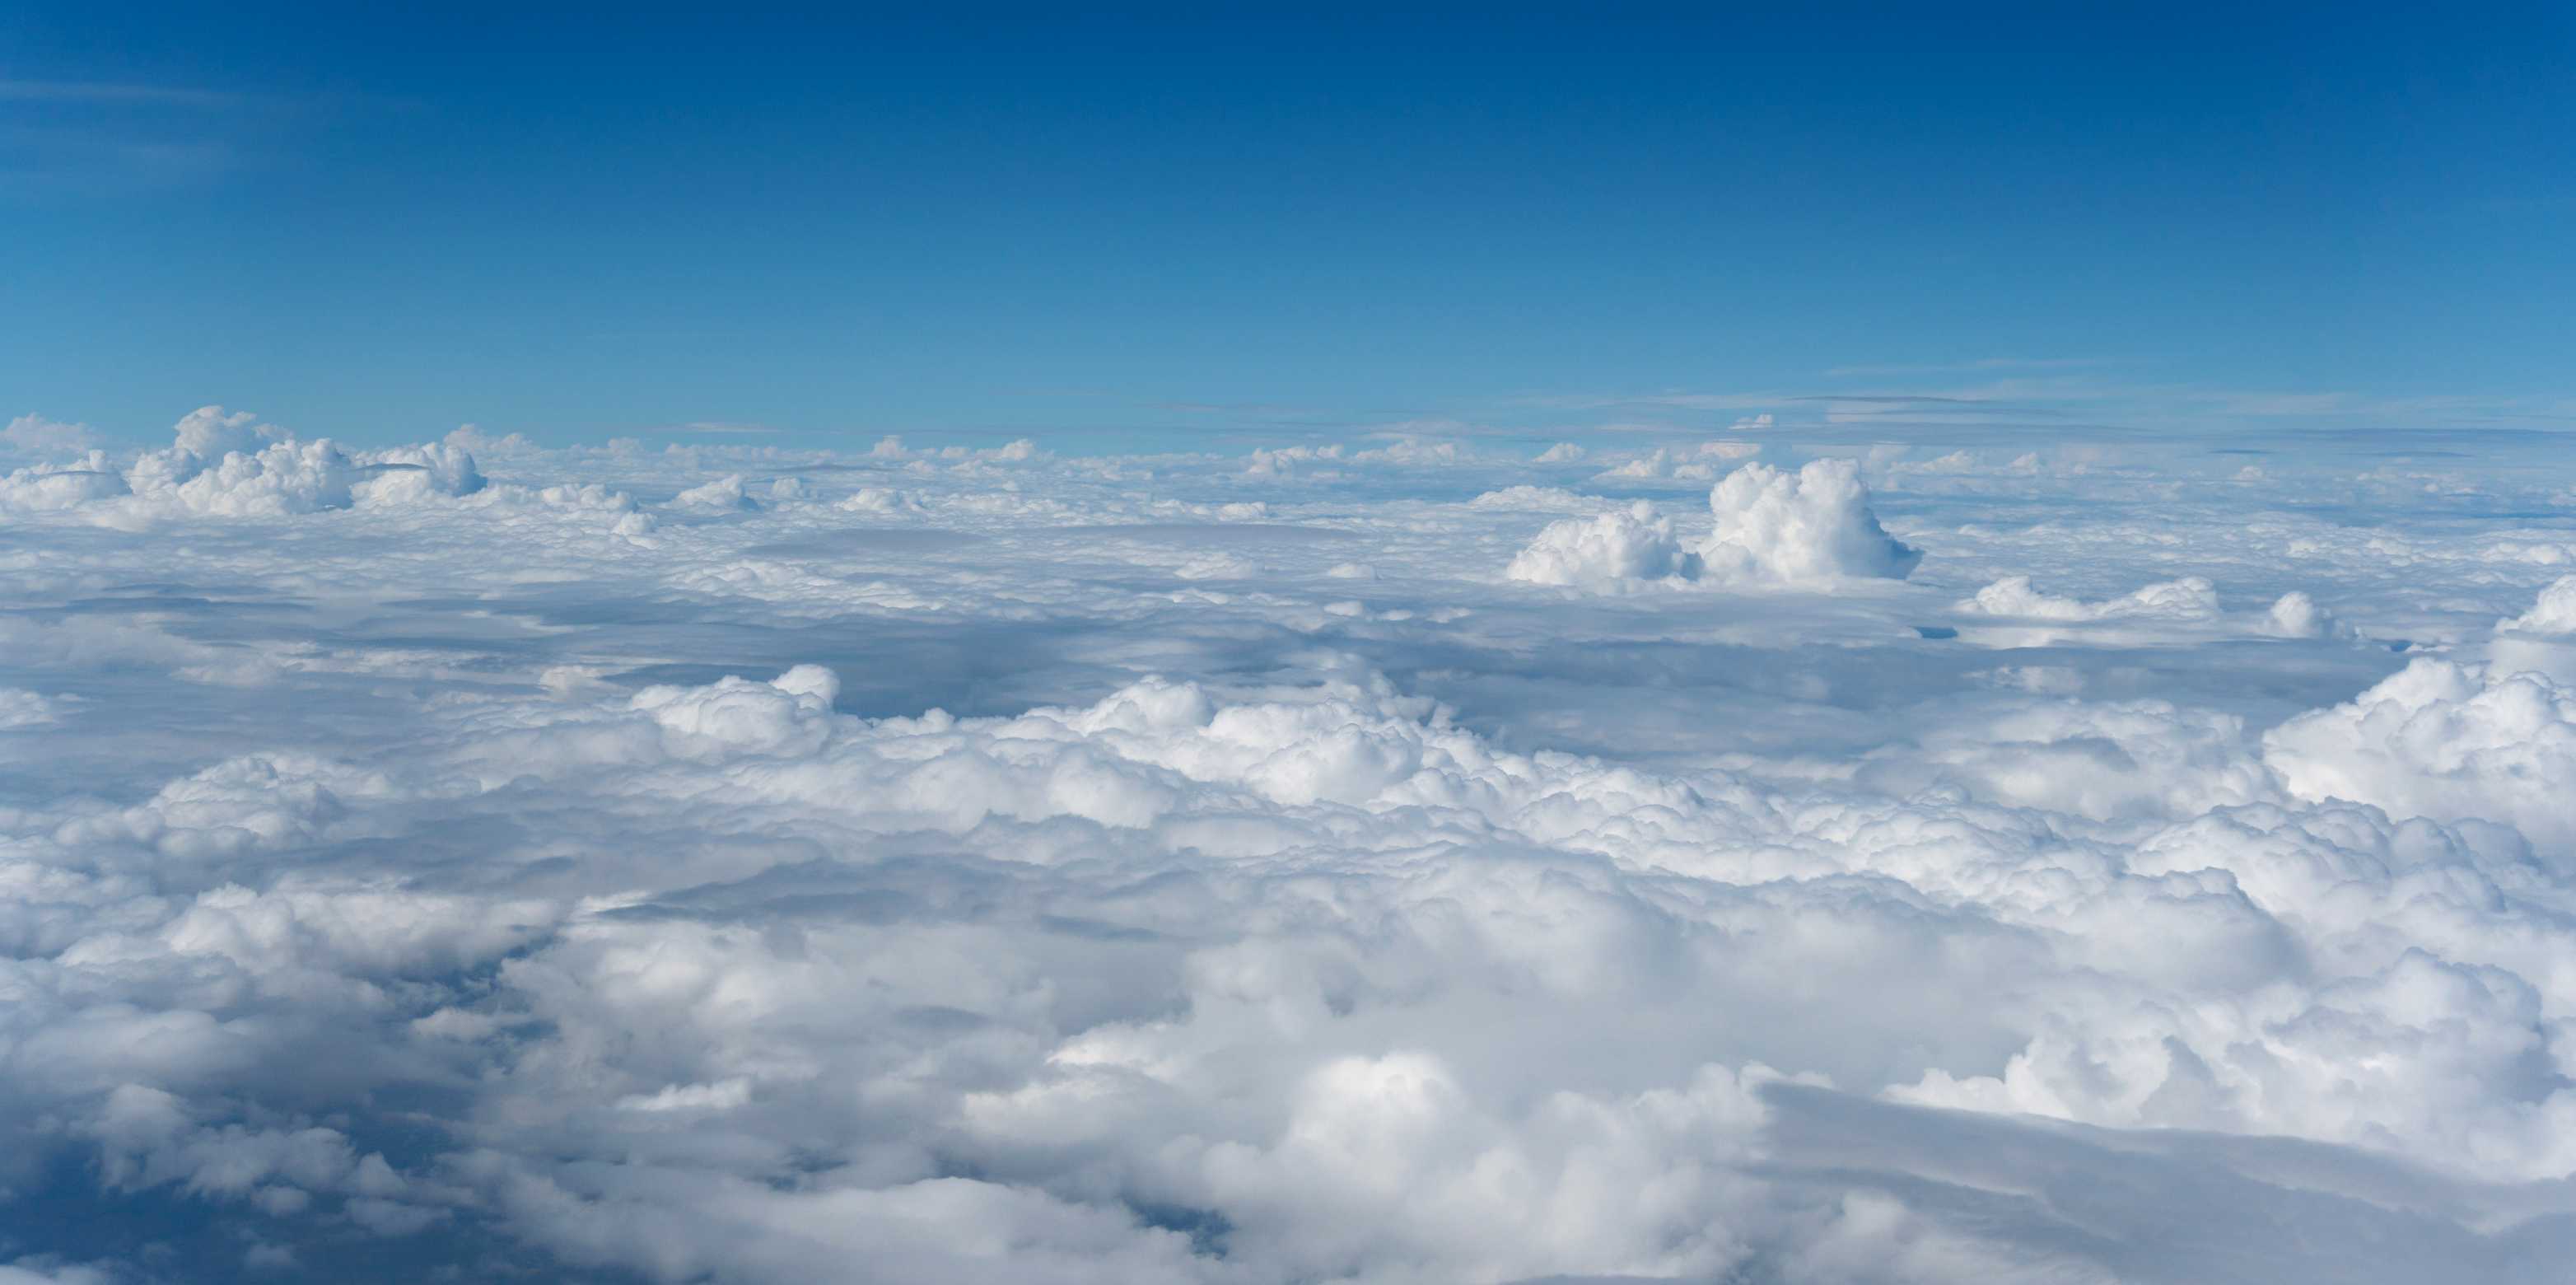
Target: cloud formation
{"points": [[1606, 552], [1811, 529], [1002, 866], [1806, 527]]}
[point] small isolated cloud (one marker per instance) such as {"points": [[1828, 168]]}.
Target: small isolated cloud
{"points": [[1809, 527], [2296, 615]]}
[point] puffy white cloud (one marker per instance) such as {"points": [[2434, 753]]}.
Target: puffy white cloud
{"points": [[2171, 609], [785, 713], [723, 495], [1810, 530], [279, 479], [1806, 528], [1605, 552], [209, 433], [2447, 741], [2296, 615], [404, 473], [879, 499], [2553, 614], [224, 464], [52, 488], [2190, 598]]}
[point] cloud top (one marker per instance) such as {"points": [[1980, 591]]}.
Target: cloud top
{"points": [[1813, 526], [1812, 529]]}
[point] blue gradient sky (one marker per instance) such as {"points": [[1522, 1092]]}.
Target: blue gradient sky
{"points": [[1185, 229]]}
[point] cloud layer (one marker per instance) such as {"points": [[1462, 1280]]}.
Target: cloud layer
{"points": [[739, 864]]}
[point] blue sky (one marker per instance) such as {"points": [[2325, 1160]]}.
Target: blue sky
{"points": [[1188, 229]]}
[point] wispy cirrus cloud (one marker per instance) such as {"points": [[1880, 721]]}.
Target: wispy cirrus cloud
{"points": [[115, 94], [1979, 366], [91, 138], [726, 427]]}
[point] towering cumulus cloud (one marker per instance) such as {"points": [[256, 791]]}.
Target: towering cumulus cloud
{"points": [[1810, 529], [994, 865], [1806, 527]]}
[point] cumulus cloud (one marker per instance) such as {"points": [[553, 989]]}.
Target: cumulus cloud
{"points": [[1605, 552], [723, 495], [1027, 868], [1287, 460], [46, 488], [224, 464], [2185, 607], [2553, 614], [2190, 598], [1811, 530], [2446, 741], [1808, 527], [2296, 615]]}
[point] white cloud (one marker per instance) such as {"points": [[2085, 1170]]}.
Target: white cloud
{"points": [[2191, 598], [2445, 741], [1606, 552], [2554, 613], [37, 435], [20, 708], [226, 465], [1808, 527], [1004, 866], [2296, 615], [723, 495], [1810, 530], [45, 488], [1413, 451]]}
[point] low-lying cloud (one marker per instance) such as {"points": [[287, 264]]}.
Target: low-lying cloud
{"points": [[737, 864]]}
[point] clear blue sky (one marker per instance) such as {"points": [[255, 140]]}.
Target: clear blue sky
{"points": [[1182, 227]]}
